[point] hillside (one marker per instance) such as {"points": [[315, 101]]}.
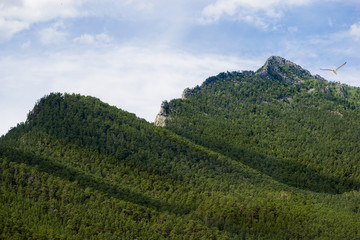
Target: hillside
{"points": [[297, 128], [79, 168]]}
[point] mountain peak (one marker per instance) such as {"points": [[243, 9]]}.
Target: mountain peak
{"points": [[280, 68], [280, 61]]}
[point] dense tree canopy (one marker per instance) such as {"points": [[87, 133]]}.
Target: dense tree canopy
{"points": [[303, 134], [243, 157]]}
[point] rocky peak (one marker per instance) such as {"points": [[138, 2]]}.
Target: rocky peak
{"points": [[162, 117], [189, 92], [282, 69]]}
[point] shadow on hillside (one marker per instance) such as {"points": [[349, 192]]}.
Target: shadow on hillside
{"points": [[289, 172], [85, 180]]}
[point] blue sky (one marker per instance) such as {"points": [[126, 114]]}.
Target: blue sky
{"points": [[136, 53]]}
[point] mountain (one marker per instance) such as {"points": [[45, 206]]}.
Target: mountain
{"points": [[295, 127], [79, 168]]}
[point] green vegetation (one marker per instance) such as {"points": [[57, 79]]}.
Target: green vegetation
{"points": [[243, 157], [304, 135]]}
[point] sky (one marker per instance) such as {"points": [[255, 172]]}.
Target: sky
{"points": [[133, 54]]}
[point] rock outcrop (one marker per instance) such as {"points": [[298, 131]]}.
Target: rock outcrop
{"points": [[162, 118], [282, 69], [189, 92]]}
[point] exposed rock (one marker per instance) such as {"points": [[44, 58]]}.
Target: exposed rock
{"points": [[185, 93], [162, 117], [318, 77], [31, 179], [248, 73], [341, 89], [337, 113], [311, 90], [285, 196], [30, 116], [282, 69], [189, 92]]}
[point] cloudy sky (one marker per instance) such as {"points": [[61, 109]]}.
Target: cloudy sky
{"points": [[136, 53]]}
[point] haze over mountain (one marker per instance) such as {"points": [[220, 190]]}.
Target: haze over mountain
{"points": [[270, 154]]}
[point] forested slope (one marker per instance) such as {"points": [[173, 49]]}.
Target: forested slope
{"points": [[299, 129], [81, 169]]}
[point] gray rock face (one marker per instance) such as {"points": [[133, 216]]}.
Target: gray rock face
{"points": [[189, 92], [318, 77], [162, 118], [341, 89], [280, 68], [185, 93]]}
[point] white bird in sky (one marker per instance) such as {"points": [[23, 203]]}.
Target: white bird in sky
{"points": [[333, 70]]}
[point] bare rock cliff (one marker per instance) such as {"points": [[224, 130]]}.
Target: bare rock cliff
{"points": [[280, 68], [162, 118]]}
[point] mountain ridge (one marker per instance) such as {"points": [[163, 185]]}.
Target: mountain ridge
{"points": [[275, 68], [275, 65], [280, 95]]}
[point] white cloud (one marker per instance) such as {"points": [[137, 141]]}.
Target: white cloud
{"points": [[355, 31], [257, 12], [9, 27], [18, 15], [141, 5], [53, 34], [102, 38], [136, 79], [85, 39], [341, 43]]}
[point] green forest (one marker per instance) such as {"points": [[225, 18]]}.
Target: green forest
{"points": [[271, 154]]}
